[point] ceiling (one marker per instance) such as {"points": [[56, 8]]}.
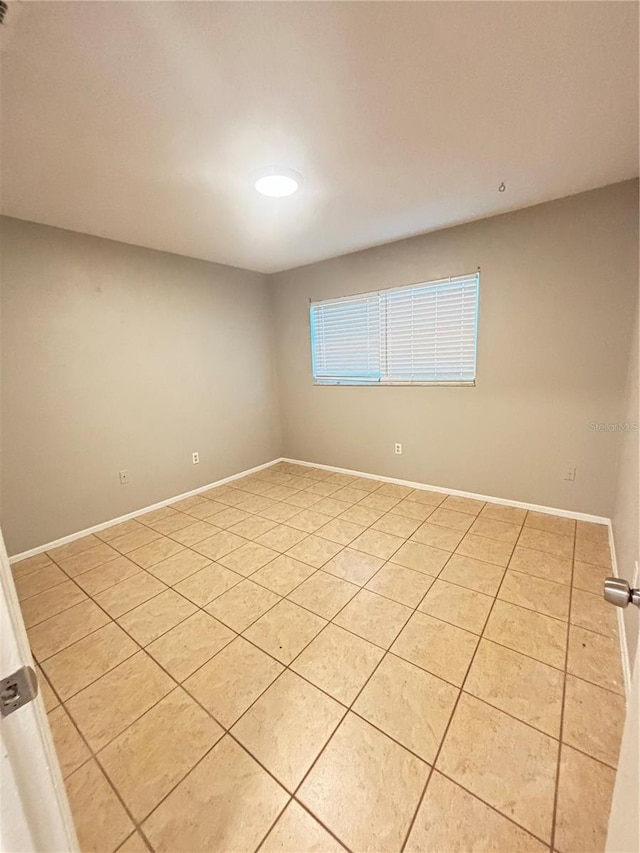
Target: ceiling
{"points": [[147, 122]]}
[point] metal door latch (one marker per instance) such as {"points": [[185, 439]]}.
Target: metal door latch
{"points": [[17, 690], [618, 592]]}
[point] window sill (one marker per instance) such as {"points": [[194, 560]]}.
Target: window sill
{"points": [[400, 384]]}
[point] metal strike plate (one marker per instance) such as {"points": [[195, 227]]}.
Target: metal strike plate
{"points": [[17, 690]]}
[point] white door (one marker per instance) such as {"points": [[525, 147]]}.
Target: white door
{"points": [[624, 821], [35, 814]]}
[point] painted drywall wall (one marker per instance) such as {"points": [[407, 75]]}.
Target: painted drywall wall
{"points": [[116, 357], [626, 510], [558, 286]]}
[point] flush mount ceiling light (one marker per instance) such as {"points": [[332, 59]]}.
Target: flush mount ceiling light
{"points": [[278, 183]]}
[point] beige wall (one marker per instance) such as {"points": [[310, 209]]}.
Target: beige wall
{"points": [[558, 286], [626, 511], [119, 357]]}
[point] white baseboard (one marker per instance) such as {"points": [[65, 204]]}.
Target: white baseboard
{"points": [[565, 513], [622, 634], [103, 526]]}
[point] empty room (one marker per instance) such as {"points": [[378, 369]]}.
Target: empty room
{"points": [[319, 492]]}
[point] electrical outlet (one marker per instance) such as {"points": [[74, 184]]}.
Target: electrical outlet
{"points": [[195, 458], [398, 448], [124, 478], [570, 472]]}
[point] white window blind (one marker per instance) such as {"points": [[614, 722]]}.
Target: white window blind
{"points": [[421, 333], [346, 333]]}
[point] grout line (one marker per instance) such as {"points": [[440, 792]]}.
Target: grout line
{"points": [[273, 823], [95, 754], [556, 791], [92, 757], [130, 836], [452, 715], [47, 589], [313, 817]]}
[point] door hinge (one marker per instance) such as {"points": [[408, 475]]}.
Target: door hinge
{"points": [[17, 690]]}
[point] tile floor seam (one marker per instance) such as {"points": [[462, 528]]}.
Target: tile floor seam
{"points": [[111, 619], [129, 837], [177, 686], [588, 755], [253, 579], [49, 551], [483, 701], [89, 683], [546, 844], [445, 733], [118, 554], [310, 813], [228, 731], [462, 690], [357, 696], [373, 643], [237, 633], [456, 553], [125, 631], [595, 634], [593, 683], [541, 550], [58, 612], [380, 485], [100, 566], [533, 609], [273, 824], [598, 598], [562, 706], [446, 621], [92, 757], [535, 577], [391, 737], [388, 597], [139, 824], [286, 667], [344, 708], [142, 649], [484, 637], [350, 710], [607, 568], [48, 589]]}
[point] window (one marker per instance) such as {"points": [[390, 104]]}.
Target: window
{"points": [[421, 334]]}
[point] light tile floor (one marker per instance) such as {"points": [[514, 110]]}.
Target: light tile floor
{"points": [[308, 661]]}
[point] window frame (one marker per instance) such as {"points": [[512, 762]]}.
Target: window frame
{"points": [[468, 383]]}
